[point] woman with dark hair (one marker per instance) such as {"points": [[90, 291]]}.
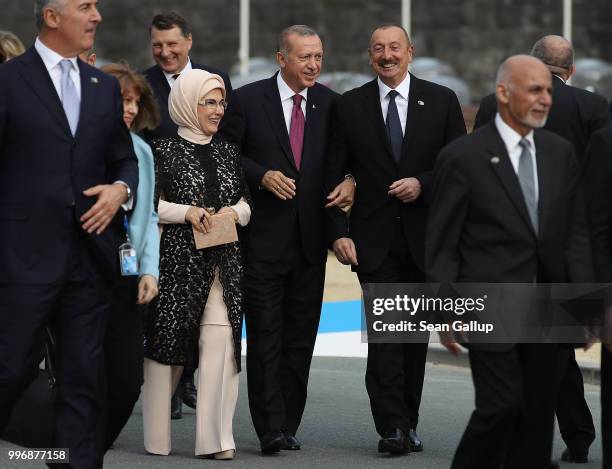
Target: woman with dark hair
{"points": [[123, 345], [200, 299]]}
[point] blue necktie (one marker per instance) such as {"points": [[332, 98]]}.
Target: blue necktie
{"points": [[527, 182], [70, 99], [394, 127]]}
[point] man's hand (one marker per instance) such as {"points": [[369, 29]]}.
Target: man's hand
{"points": [[200, 219], [147, 289], [110, 197], [342, 196], [229, 210], [448, 340], [407, 189], [279, 184], [344, 249]]}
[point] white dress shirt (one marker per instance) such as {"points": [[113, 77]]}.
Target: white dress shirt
{"points": [[401, 100], [52, 60], [511, 139], [286, 96], [170, 76]]}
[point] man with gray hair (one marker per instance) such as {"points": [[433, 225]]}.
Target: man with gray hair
{"points": [[67, 167], [507, 208], [281, 125], [575, 115]]}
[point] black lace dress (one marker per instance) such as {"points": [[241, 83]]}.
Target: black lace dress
{"points": [[205, 176]]}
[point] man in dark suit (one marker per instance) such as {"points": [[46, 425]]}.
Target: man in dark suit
{"points": [[507, 208], [388, 133], [171, 41], [281, 124], [66, 167], [575, 114], [598, 194]]}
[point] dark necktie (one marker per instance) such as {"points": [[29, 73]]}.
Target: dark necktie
{"points": [[176, 75], [296, 130], [394, 127], [527, 182]]}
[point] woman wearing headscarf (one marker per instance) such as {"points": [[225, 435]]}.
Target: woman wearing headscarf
{"points": [[123, 349], [200, 294]]}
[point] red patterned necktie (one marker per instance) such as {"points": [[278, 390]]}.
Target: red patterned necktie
{"points": [[296, 130]]}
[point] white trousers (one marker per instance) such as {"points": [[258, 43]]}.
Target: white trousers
{"points": [[217, 387]]}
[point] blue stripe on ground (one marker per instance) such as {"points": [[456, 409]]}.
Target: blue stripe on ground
{"points": [[338, 316]]}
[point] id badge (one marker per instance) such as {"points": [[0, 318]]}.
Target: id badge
{"points": [[128, 260]]}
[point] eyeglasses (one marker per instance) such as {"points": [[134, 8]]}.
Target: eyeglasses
{"points": [[211, 104]]}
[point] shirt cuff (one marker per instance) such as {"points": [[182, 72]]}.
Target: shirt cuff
{"points": [[243, 209], [129, 203], [171, 213]]}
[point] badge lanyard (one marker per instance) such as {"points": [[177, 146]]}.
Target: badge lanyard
{"points": [[127, 254]]}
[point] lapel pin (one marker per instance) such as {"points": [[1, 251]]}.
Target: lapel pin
{"points": [[495, 160], [94, 80], [314, 107], [420, 103]]}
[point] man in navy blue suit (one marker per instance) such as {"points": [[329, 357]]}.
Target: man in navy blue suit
{"points": [[66, 167]]}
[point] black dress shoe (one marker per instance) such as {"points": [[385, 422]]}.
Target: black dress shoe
{"points": [[189, 392], [394, 442], [573, 456], [416, 444], [291, 442], [176, 407], [272, 442]]}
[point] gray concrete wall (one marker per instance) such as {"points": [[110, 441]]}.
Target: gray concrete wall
{"points": [[472, 35]]}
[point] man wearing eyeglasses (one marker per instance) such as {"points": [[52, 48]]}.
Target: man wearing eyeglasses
{"points": [[171, 41]]}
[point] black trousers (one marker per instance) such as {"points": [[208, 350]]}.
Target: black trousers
{"points": [[573, 414], [77, 306], [606, 406], [122, 370], [282, 311], [395, 372], [512, 425]]}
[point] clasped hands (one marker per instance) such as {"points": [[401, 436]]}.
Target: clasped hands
{"points": [[201, 219]]}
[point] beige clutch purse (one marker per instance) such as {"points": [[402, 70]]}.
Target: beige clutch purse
{"points": [[223, 232]]}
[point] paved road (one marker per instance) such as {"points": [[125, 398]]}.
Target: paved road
{"points": [[337, 430]]}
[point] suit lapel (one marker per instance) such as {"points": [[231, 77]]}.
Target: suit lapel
{"points": [[501, 165], [89, 85], [546, 170], [36, 75], [313, 118], [413, 119], [274, 111], [371, 102]]}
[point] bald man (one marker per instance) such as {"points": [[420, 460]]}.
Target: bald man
{"points": [[485, 225], [574, 115]]}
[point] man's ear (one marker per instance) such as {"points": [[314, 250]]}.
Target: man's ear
{"points": [[51, 17], [502, 93], [280, 58]]}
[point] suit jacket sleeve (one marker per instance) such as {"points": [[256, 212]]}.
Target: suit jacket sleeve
{"points": [[598, 195], [454, 128], [578, 252], [600, 117], [337, 165], [233, 128], [450, 201], [122, 164]]}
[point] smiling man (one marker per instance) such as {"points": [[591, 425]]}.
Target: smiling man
{"points": [[67, 166], [281, 124], [171, 41], [389, 132]]}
